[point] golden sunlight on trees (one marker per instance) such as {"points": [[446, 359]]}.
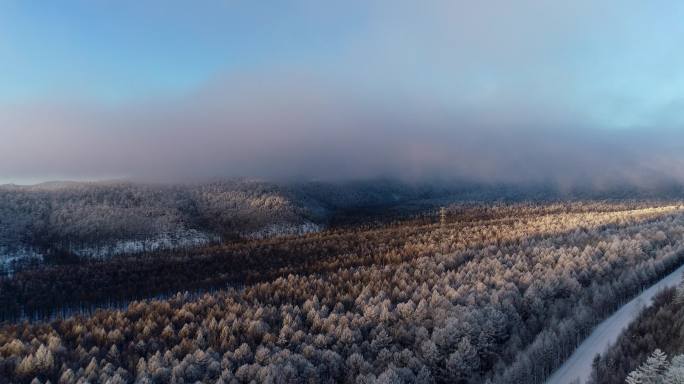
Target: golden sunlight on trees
{"points": [[500, 294]]}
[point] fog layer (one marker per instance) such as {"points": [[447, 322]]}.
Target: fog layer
{"points": [[536, 92]]}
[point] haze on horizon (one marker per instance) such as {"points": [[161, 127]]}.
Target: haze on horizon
{"points": [[530, 91]]}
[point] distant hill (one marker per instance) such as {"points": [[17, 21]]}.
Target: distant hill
{"points": [[73, 215], [104, 218]]}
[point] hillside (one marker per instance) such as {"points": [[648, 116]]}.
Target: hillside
{"points": [[62, 221], [103, 219]]}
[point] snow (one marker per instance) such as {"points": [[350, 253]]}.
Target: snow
{"points": [[186, 238], [7, 254], [10, 256], [277, 230], [578, 367], [180, 239]]}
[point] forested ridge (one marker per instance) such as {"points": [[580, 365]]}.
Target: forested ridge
{"points": [[77, 215], [502, 298], [53, 221], [101, 219]]}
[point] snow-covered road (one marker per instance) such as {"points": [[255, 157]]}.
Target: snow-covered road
{"points": [[578, 367]]}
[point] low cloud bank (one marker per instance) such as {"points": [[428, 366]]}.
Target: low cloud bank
{"points": [[529, 92], [299, 128]]}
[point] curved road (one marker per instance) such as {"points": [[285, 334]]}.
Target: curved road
{"points": [[578, 366]]}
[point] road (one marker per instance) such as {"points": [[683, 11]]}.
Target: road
{"points": [[578, 367]]}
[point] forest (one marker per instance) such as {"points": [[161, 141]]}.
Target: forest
{"points": [[643, 347], [76, 216], [70, 281], [44, 222], [498, 293]]}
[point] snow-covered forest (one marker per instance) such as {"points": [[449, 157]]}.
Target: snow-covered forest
{"points": [[658, 369], [640, 354], [101, 219], [94, 219], [110, 218], [493, 293]]}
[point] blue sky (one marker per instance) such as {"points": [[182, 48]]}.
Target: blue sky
{"points": [[92, 89], [131, 49]]}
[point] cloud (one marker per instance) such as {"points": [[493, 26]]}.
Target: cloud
{"points": [[301, 127], [497, 91]]}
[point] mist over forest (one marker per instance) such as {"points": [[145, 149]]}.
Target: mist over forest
{"points": [[313, 135]]}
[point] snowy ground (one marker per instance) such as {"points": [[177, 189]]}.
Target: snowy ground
{"points": [[578, 367], [187, 238], [183, 238], [10, 256], [276, 230]]}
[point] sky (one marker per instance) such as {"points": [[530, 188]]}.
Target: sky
{"points": [[497, 91]]}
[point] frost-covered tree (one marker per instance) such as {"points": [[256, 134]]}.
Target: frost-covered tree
{"points": [[651, 371], [657, 370], [501, 298]]}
